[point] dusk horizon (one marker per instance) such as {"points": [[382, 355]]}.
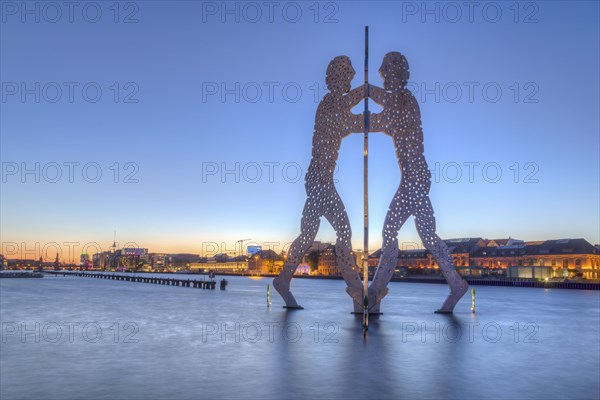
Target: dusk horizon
{"points": [[69, 252]]}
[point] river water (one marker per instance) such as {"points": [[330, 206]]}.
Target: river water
{"points": [[85, 338]]}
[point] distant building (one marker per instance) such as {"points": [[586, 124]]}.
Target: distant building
{"points": [[477, 256], [84, 262], [102, 261], [252, 250], [181, 261], [18, 263], [530, 272], [221, 263], [328, 263], [133, 259], [318, 246], [303, 269], [126, 259], [159, 261], [266, 262], [359, 257], [310, 259], [500, 242], [565, 257]]}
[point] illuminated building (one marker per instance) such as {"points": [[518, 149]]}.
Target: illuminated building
{"points": [[565, 258], [220, 263], [266, 262], [327, 262]]}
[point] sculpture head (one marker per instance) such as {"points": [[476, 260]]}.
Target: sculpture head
{"points": [[339, 74], [394, 71]]}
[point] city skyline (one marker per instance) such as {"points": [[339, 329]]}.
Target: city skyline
{"points": [[215, 152], [70, 252]]}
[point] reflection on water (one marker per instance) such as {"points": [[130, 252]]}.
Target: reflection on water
{"points": [[69, 337]]}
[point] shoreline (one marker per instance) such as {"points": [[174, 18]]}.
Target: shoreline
{"points": [[524, 282]]}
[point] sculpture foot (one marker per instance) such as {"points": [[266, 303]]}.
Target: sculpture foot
{"points": [[284, 291], [375, 310], [375, 297], [457, 291], [294, 307], [357, 297]]}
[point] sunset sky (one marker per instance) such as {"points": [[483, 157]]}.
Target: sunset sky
{"points": [[161, 98]]}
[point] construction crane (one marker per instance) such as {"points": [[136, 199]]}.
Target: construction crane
{"points": [[241, 242]]}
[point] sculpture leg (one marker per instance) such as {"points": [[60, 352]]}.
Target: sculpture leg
{"points": [[395, 218], [425, 222], [338, 218], [309, 227]]}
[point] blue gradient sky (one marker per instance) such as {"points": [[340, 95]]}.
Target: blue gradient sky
{"points": [[176, 51]]}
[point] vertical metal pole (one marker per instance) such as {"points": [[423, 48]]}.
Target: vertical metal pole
{"points": [[366, 189]]}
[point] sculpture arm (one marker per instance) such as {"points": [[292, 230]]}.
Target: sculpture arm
{"points": [[355, 123], [377, 94], [356, 95]]}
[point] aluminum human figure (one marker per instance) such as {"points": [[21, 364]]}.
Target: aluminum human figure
{"points": [[333, 122], [401, 119]]}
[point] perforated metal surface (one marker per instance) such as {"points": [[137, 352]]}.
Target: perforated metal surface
{"points": [[333, 121], [401, 119]]}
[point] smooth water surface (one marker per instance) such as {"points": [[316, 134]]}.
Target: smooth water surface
{"points": [[85, 338]]}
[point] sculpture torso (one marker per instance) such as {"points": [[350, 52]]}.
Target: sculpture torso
{"points": [[332, 123], [401, 119]]}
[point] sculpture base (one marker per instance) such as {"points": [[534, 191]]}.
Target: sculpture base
{"points": [[442, 312], [371, 313], [294, 308]]}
